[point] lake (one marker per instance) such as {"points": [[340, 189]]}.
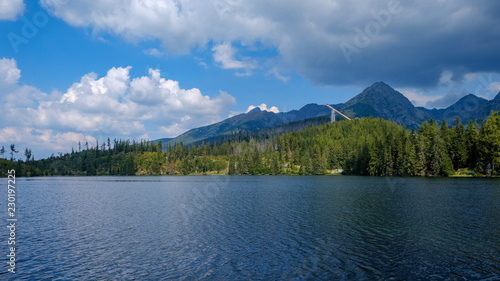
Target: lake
{"points": [[255, 227]]}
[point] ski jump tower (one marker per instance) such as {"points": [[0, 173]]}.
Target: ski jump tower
{"points": [[332, 118]]}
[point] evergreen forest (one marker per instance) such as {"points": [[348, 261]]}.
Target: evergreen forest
{"points": [[366, 146]]}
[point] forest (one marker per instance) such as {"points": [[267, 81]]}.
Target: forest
{"points": [[366, 146]]}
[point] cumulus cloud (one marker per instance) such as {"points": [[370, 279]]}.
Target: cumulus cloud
{"points": [[224, 55], [388, 40], [263, 107], [44, 140], [11, 9], [94, 108], [9, 73]]}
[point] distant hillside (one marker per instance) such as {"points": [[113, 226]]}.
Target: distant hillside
{"points": [[266, 133], [379, 100], [163, 140], [469, 107], [250, 122]]}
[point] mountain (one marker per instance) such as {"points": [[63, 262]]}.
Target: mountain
{"points": [[469, 107], [378, 100], [252, 121], [163, 140], [484, 109], [497, 97]]}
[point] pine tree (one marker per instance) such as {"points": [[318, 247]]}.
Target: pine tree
{"points": [[471, 142], [436, 151], [489, 149], [374, 167], [363, 161], [421, 161], [12, 151], [444, 134], [241, 166], [458, 148], [232, 166], [159, 147], [27, 153], [275, 168]]}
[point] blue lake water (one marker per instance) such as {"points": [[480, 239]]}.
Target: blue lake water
{"points": [[255, 227]]}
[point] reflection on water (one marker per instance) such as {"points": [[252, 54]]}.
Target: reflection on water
{"points": [[263, 227]]}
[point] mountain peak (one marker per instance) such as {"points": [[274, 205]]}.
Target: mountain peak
{"points": [[380, 84], [469, 97], [381, 100], [380, 90], [257, 109]]}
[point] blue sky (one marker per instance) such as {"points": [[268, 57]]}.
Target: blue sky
{"points": [[73, 70]]}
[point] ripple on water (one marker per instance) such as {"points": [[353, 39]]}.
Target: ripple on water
{"points": [[240, 228]]}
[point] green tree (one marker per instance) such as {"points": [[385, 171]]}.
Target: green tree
{"points": [[471, 142], [241, 166], [458, 147], [362, 165], [275, 164], [444, 133], [232, 166], [490, 142], [420, 151], [436, 151], [159, 146], [28, 154], [12, 151]]}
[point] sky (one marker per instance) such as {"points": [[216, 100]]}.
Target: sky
{"points": [[82, 71]]}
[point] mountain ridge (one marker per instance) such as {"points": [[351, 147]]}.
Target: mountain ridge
{"points": [[378, 100]]}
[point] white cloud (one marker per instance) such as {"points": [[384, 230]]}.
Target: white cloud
{"points": [[154, 52], [263, 107], [417, 98], [9, 73], [278, 76], [307, 34], [113, 85], [470, 76], [172, 102], [446, 78], [451, 96], [224, 55], [11, 9], [43, 141], [172, 130], [99, 107], [201, 62], [495, 86]]}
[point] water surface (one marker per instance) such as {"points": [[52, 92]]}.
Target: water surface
{"points": [[256, 227]]}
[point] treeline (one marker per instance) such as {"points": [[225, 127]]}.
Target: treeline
{"points": [[116, 157], [376, 147], [367, 146], [264, 134]]}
